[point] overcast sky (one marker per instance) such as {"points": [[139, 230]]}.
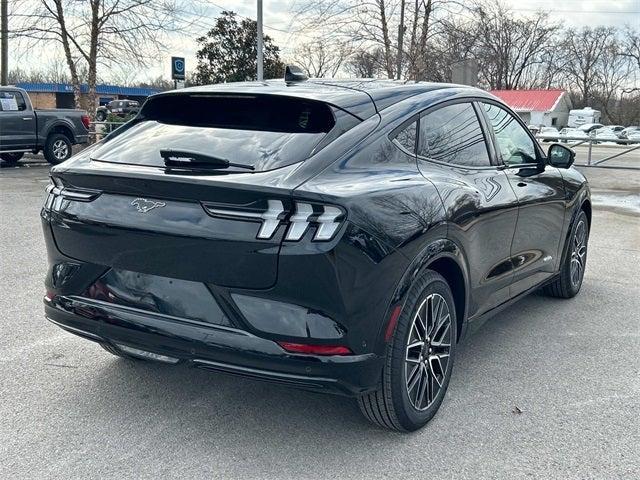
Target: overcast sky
{"points": [[278, 25]]}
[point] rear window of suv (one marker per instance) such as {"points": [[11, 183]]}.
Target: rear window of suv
{"points": [[266, 113], [264, 131]]}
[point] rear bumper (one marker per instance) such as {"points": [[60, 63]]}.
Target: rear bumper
{"points": [[214, 347], [80, 139]]}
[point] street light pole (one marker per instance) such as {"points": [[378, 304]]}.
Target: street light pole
{"points": [[260, 56], [4, 48]]}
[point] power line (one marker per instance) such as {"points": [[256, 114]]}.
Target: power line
{"points": [[611, 12]]}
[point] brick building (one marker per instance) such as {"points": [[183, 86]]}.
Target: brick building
{"points": [[60, 95]]}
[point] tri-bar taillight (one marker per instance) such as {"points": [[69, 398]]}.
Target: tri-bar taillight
{"points": [[57, 192], [326, 218]]}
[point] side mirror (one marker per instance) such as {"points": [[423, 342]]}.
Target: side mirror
{"points": [[560, 156]]}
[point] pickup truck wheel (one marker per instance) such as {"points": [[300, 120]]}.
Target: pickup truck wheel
{"points": [[101, 116], [10, 159], [57, 148]]}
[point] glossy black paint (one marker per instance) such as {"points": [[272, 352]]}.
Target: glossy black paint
{"points": [[494, 232]]}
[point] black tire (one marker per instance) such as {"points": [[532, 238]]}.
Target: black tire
{"points": [[57, 148], [11, 159], [393, 405], [114, 351], [101, 116], [567, 285]]}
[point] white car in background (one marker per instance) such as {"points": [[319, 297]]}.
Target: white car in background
{"points": [[548, 134], [629, 133], [603, 134], [587, 127], [616, 128], [634, 135], [572, 134]]}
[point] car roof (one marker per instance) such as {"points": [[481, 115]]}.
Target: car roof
{"points": [[362, 97], [12, 88]]}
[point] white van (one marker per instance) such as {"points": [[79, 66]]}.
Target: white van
{"points": [[581, 116]]}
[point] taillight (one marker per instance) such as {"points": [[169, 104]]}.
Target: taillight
{"points": [[58, 191], [315, 349], [326, 218], [86, 121]]}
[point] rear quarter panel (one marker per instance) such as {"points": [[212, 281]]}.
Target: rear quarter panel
{"points": [[391, 206], [70, 120]]}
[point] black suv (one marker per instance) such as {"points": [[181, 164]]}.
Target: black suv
{"points": [[121, 108], [337, 236]]}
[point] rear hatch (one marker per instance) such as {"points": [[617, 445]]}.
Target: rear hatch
{"points": [[211, 209]]}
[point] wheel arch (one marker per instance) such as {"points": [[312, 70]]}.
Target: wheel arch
{"points": [[61, 129], [449, 268], [586, 208], [445, 258]]}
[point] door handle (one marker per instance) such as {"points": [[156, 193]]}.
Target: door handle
{"points": [[522, 184], [26, 118]]}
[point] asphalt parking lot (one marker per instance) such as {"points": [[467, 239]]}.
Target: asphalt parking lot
{"points": [[547, 389]]}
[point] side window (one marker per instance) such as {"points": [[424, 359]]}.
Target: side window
{"points": [[407, 137], [12, 101], [514, 143], [453, 134]]}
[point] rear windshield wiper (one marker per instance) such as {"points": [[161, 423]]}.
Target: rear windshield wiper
{"points": [[197, 161]]}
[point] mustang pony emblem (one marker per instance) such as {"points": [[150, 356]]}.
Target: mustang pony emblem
{"points": [[143, 205]]}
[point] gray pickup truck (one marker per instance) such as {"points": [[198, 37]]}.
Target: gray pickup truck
{"points": [[24, 129]]}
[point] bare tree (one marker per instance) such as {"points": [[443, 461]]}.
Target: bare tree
{"points": [[509, 46], [631, 50], [614, 71], [100, 33], [401, 29], [584, 51], [54, 71], [322, 57], [367, 25], [365, 64], [371, 27], [632, 45]]}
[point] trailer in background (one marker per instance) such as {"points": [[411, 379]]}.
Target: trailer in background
{"points": [[581, 116]]}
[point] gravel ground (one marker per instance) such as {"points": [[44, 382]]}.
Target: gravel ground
{"points": [[546, 389]]}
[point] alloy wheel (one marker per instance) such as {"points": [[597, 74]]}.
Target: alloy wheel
{"points": [[428, 351], [60, 149], [578, 253]]}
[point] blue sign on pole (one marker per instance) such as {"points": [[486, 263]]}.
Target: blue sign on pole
{"points": [[177, 68]]}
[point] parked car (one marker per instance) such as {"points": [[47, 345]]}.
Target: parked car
{"points": [[572, 134], [588, 127], [332, 235], [548, 134], [628, 133], [616, 128], [25, 129], [603, 134], [122, 108], [633, 135]]}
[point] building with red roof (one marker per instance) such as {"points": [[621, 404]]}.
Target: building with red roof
{"points": [[544, 108]]}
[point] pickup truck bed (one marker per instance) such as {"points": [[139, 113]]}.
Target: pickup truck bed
{"points": [[25, 129]]}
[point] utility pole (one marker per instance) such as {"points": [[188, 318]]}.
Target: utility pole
{"points": [[260, 56], [400, 41], [4, 48]]}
